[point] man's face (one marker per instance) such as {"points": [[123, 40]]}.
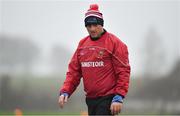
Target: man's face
{"points": [[94, 30]]}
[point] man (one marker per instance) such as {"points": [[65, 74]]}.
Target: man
{"points": [[101, 59]]}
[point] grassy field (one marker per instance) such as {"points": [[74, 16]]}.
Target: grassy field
{"points": [[39, 96]]}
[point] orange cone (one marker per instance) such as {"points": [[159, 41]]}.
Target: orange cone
{"points": [[84, 113], [18, 112]]}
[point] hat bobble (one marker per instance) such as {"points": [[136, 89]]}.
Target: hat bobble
{"points": [[94, 7]]}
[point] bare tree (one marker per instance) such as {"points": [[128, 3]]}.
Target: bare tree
{"points": [[17, 53], [155, 54], [59, 59]]}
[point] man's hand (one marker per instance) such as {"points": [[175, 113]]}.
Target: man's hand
{"points": [[116, 108], [62, 100]]}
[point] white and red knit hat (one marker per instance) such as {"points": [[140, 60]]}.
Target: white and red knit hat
{"points": [[93, 16]]}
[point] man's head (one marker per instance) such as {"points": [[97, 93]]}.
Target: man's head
{"points": [[94, 21]]}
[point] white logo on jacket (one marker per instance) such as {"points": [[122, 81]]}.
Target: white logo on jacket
{"points": [[92, 64]]}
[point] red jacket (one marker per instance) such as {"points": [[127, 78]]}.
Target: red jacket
{"points": [[103, 64]]}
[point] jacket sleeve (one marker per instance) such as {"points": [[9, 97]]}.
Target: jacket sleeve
{"points": [[73, 75], [122, 68]]}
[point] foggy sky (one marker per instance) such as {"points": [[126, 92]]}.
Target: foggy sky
{"points": [[62, 23]]}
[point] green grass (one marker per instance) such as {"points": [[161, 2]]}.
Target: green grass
{"points": [[39, 113]]}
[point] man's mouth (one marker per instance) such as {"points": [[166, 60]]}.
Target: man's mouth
{"points": [[93, 33]]}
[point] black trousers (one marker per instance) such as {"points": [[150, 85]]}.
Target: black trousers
{"points": [[100, 105]]}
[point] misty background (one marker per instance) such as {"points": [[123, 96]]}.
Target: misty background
{"points": [[38, 38]]}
